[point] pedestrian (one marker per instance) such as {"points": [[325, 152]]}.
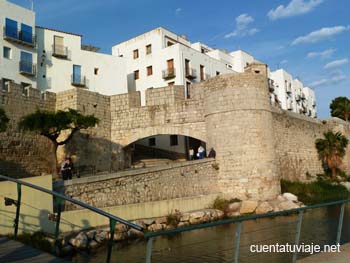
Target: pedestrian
{"points": [[64, 168], [212, 153], [70, 169], [191, 154], [200, 152]]}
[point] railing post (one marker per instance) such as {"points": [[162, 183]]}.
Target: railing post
{"points": [[58, 218], [297, 236], [18, 207], [110, 241], [340, 224], [237, 241], [149, 250]]}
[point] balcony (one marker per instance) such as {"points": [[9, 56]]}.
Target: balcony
{"points": [[60, 51], [79, 81], [190, 73], [27, 68], [169, 73], [303, 97], [19, 37], [271, 85]]}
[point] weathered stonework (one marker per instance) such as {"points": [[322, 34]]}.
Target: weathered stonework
{"points": [[256, 144]]}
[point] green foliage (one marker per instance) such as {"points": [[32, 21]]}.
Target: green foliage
{"points": [[331, 150], [51, 124], [220, 203], [340, 107], [173, 219], [3, 120], [320, 191]]}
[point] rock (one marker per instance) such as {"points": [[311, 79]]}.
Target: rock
{"points": [[233, 207], [195, 221], [101, 236], [233, 214], [120, 236], [155, 227], [248, 207], [183, 224], [287, 205], [290, 197], [148, 221], [121, 228], [264, 208], [219, 214], [280, 198], [133, 233], [81, 241], [161, 220], [185, 217], [197, 214], [91, 234], [346, 185]]}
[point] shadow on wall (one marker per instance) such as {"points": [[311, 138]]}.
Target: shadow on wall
{"points": [[14, 169]]}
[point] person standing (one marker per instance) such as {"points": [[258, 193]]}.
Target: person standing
{"points": [[191, 153], [200, 153], [64, 168], [70, 169]]}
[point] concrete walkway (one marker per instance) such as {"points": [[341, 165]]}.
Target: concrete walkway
{"points": [[342, 257], [13, 251]]}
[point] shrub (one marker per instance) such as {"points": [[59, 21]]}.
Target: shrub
{"points": [[173, 218]]}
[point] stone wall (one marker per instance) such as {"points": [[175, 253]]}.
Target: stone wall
{"points": [[146, 185], [24, 154]]}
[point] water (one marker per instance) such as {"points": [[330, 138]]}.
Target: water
{"points": [[216, 244]]}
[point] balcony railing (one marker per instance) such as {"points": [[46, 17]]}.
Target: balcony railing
{"points": [[60, 51], [19, 36], [169, 73], [190, 73], [27, 68], [271, 85], [79, 81]]}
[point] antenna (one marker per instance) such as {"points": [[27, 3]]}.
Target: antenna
{"points": [[31, 4]]}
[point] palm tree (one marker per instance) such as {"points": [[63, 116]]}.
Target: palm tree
{"points": [[340, 107], [3, 120], [331, 150]]}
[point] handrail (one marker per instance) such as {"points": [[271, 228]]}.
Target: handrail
{"points": [[241, 219], [84, 205]]}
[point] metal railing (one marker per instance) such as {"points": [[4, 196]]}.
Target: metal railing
{"points": [[60, 51], [169, 73], [191, 73], [27, 68], [300, 211], [59, 202], [78, 80]]}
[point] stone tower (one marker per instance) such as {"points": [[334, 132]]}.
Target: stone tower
{"points": [[240, 128]]}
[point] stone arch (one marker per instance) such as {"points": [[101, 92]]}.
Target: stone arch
{"points": [[141, 133]]}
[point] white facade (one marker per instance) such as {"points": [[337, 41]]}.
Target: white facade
{"points": [[159, 58], [17, 45], [63, 64]]}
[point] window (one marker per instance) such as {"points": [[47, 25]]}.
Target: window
{"points": [[174, 140], [148, 49], [202, 72], [11, 29], [26, 63], [169, 43], [136, 74], [136, 53], [96, 70], [7, 53], [217, 73], [187, 67], [26, 33], [149, 71], [58, 44], [188, 89], [5, 84], [152, 142], [76, 74], [24, 88]]}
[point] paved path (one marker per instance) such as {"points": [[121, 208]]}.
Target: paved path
{"points": [[342, 257], [13, 251]]}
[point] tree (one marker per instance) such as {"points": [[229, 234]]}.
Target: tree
{"points": [[340, 107], [51, 124], [3, 120], [331, 150]]}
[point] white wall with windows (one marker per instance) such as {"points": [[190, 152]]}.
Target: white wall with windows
{"points": [[173, 143], [63, 64], [18, 54]]}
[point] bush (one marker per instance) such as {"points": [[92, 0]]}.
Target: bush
{"points": [[222, 203], [173, 219], [320, 191]]}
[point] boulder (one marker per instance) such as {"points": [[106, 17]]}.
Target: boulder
{"points": [[102, 236], [155, 227], [233, 207], [290, 197], [346, 185], [148, 221], [264, 208], [183, 224], [233, 214], [248, 207], [219, 214], [197, 214], [121, 228], [81, 241], [185, 217], [280, 198], [91, 234], [94, 244], [287, 205], [161, 220]]}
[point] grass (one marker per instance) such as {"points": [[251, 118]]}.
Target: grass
{"points": [[317, 192]]}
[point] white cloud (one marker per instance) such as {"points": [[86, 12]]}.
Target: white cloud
{"points": [[321, 34], [323, 54], [242, 27], [178, 11], [283, 62], [329, 81], [294, 8], [336, 63]]}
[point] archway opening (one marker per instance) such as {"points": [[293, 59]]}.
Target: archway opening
{"points": [[164, 149]]}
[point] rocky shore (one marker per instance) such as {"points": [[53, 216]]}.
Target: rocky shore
{"points": [[92, 239]]}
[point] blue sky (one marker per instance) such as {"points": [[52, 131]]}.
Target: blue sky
{"points": [[309, 38]]}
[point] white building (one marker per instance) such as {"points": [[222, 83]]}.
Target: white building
{"points": [[17, 46], [63, 63], [160, 58]]}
